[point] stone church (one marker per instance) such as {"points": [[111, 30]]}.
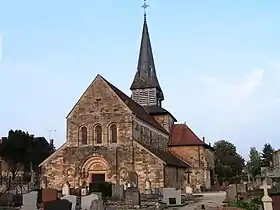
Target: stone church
{"points": [[111, 135]]}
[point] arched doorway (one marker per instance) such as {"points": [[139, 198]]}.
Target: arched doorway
{"points": [[95, 170]]}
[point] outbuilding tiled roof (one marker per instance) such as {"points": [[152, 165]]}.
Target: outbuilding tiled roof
{"points": [[182, 135]]}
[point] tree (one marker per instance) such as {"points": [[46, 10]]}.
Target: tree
{"points": [[228, 163], [13, 150], [20, 150], [254, 163], [267, 155]]}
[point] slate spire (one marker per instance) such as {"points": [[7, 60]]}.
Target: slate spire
{"points": [[145, 76]]}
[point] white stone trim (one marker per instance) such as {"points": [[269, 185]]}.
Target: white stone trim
{"points": [[138, 144], [141, 122], [53, 154]]}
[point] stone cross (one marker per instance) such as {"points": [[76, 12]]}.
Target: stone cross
{"points": [[265, 187], [267, 201]]}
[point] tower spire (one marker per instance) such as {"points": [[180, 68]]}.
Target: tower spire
{"points": [[145, 80]]}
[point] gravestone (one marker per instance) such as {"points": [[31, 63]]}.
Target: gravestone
{"points": [[87, 200], [189, 189], [172, 195], [58, 205], [132, 196], [148, 189], [117, 191], [72, 199], [97, 205], [9, 199], [49, 194], [65, 189], [231, 193], [267, 201], [29, 201], [84, 191]]}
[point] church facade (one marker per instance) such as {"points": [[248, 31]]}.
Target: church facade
{"points": [[111, 135]]}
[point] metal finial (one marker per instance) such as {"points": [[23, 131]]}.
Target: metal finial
{"points": [[145, 6]]}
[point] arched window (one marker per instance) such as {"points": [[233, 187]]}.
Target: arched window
{"points": [[84, 135], [113, 133], [98, 134]]}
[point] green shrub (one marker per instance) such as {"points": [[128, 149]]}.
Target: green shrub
{"points": [[251, 204]]}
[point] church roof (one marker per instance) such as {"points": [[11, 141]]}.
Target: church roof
{"points": [[158, 110], [182, 135], [166, 156], [136, 108], [145, 76]]}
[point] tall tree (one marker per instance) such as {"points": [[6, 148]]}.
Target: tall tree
{"points": [[267, 155], [13, 150], [228, 163], [254, 164], [20, 150]]}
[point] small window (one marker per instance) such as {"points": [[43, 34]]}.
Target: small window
{"points": [[84, 135], [141, 133], [113, 133], [151, 137], [98, 134]]}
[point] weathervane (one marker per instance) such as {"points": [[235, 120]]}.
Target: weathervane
{"points": [[145, 6]]}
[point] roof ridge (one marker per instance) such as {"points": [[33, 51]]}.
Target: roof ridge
{"points": [[136, 108]]}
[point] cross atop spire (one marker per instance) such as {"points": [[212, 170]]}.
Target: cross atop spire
{"points": [[145, 6]]}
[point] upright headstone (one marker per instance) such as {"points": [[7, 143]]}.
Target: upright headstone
{"points": [[29, 201], [65, 189], [267, 201], [148, 189], [231, 193], [72, 199], [132, 196], [87, 200], [49, 194], [98, 205], [58, 205]]}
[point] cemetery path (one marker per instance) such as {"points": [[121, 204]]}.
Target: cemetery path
{"points": [[210, 199]]}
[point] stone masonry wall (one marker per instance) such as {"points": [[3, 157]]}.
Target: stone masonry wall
{"points": [[144, 134], [166, 121], [149, 168], [99, 105], [175, 177], [52, 171], [195, 155]]}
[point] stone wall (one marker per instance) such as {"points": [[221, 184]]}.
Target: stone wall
{"points": [[174, 177], [145, 134], [166, 121], [99, 105], [52, 171], [197, 157], [148, 167]]}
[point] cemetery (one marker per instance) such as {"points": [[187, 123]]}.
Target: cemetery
{"points": [[91, 197]]}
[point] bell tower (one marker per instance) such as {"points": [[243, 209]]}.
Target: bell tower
{"points": [[145, 87]]}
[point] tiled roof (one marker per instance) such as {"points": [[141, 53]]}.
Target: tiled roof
{"points": [[136, 108], [182, 135]]}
